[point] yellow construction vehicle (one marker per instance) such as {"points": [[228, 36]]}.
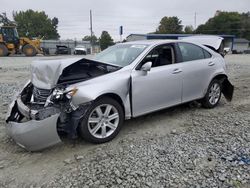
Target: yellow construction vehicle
{"points": [[10, 43]]}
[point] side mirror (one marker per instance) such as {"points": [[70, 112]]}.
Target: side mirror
{"points": [[147, 66]]}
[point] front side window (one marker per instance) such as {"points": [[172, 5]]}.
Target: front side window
{"points": [[120, 54], [160, 56], [191, 52]]}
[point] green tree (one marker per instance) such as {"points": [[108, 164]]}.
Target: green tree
{"points": [[105, 40], [34, 24], [189, 29], [169, 25], [232, 23], [88, 38], [245, 32]]}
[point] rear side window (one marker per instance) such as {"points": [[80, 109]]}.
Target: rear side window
{"points": [[191, 52], [207, 54]]}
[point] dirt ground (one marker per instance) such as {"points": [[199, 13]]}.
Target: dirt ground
{"points": [[19, 168]]}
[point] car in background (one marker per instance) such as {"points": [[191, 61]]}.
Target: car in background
{"points": [[62, 50], [80, 50], [93, 97]]}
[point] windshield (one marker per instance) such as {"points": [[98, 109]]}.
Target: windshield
{"points": [[120, 54], [15, 33]]}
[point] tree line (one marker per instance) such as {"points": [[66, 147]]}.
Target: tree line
{"points": [[227, 23], [34, 24]]}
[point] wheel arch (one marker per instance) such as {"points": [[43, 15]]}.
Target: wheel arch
{"points": [[114, 96], [220, 77], [227, 87]]}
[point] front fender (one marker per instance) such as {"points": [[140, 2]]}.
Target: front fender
{"points": [[89, 92]]}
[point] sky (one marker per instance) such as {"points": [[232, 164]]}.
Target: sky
{"points": [[136, 16]]}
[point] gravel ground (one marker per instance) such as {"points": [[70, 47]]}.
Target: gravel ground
{"points": [[184, 146]]}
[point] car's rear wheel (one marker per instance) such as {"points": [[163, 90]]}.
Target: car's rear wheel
{"points": [[103, 121], [213, 95]]}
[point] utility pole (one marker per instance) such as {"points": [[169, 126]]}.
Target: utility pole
{"points": [[195, 15], [121, 32], [91, 31]]}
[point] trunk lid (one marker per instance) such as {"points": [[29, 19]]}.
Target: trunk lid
{"points": [[206, 40]]}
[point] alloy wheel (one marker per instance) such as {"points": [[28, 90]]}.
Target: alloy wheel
{"points": [[103, 121], [214, 93]]}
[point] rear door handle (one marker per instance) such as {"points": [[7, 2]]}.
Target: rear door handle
{"points": [[176, 71], [211, 63]]}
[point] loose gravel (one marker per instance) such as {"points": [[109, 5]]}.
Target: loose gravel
{"points": [[213, 152]]}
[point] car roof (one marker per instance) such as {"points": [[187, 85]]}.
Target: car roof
{"points": [[151, 42], [203, 40]]}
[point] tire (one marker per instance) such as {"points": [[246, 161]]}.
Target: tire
{"points": [[3, 50], [29, 50], [213, 95], [101, 129]]}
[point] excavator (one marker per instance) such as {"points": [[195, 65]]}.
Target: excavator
{"points": [[11, 43]]}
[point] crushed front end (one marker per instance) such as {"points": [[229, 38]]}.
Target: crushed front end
{"points": [[37, 115]]}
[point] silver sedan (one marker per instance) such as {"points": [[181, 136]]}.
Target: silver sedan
{"points": [[93, 97]]}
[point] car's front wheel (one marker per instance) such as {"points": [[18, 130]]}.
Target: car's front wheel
{"points": [[213, 95], [103, 121]]}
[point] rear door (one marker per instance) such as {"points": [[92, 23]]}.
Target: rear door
{"points": [[198, 66]]}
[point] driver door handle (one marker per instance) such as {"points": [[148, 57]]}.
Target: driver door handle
{"points": [[176, 71]]}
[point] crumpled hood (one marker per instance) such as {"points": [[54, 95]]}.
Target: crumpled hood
{"points": [[45, 73]]}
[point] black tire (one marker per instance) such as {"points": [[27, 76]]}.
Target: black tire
{"points": [[29, 50], [84, 127], [206, 102], [3, 50]]}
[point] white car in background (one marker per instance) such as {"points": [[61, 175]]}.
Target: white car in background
{"points": [[80, 50]]}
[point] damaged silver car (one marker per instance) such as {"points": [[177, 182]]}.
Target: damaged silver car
{"points": [[93, 97]]}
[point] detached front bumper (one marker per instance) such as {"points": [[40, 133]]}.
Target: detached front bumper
{"points": [[35, 135], [32, 134]]}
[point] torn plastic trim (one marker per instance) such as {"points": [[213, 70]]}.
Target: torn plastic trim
{"points": [[19, 108], [227, 89], [35, 127], [69, 122], [35, 135]]}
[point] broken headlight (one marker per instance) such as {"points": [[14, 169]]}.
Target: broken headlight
{"points": [[57, 94], [71, 93], [61, 94]]}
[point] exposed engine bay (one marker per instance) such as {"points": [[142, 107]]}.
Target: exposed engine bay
{"points": [[50, 101]]}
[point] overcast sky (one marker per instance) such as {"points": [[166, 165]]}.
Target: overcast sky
{"points": [[136, 16]]}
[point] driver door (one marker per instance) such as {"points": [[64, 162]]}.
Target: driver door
{"points": [[160, 87]]}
